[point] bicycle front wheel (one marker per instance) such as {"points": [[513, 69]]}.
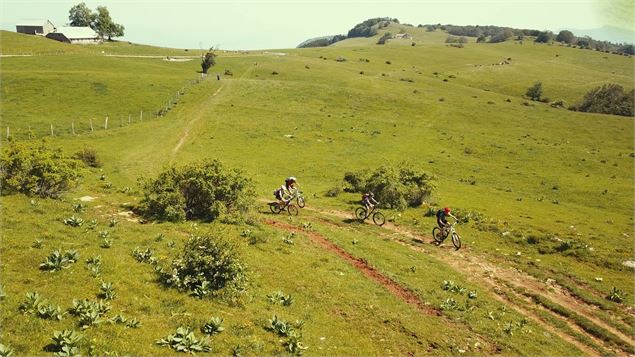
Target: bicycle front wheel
{"points": [[379, 218], [301, 202], [360, 213], [436, 235], [293, 210], [456, 240]]}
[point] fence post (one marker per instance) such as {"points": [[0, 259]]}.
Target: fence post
{"points": [[91, 125], [7, 133], [52, 133], [141, 116], [128, 118], [106, 123], [73, 127]]}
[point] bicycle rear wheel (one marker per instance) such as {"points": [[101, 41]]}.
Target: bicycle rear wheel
{"points": [[436, 235], [379, 218], [360, 213], [274, 207], [456, 240], [293, 210], [301, 202]]}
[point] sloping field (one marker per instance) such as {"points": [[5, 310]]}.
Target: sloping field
{"points": [[555, 188]]}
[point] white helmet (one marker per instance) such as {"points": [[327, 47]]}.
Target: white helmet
{"points": [[290, 179]]}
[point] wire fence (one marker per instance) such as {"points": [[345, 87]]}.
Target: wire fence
{"points": [[99, 123]]}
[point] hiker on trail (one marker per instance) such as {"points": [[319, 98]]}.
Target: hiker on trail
{"points": [[442, 215], [368, 201], [284, 192]]}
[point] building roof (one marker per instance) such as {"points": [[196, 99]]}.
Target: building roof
{"points": [[33, 22], [77, 32]]}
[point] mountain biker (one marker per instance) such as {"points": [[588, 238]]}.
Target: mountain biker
{"points": [[284, 192], [368, 201], [442, 221]]}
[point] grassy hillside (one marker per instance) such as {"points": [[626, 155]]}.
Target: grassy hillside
{"points": [[555, 187]]}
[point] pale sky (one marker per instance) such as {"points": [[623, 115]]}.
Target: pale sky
{"points": [[260, 24]]}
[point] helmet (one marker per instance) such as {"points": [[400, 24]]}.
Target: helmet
{"points": [[371, 194], [290, 179], [447, 210]]}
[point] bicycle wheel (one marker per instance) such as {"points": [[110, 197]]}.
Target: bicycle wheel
{"points": [[301, 202], [379, 218], [360, 213], [436, 235], [293, 210], [274, 207], [456, 240]]}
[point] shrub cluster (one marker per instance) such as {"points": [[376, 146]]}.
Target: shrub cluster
{"points": [[37, 170], [88, 157], [608, 99], [209, 263], [203, 190], [394, 187], [368, 28]]}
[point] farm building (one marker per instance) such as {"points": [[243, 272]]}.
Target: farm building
{"points": [[403, 35], [35, 27], [79, 35]]}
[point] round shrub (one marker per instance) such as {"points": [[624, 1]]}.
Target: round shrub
{"points": [[203, 190], [35, 169], [208, 264], [394, 187]]}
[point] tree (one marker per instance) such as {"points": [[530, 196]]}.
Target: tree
{"points": [[385, 37], [81, 15], [208, 60], [544, 37], [104, 26], [481, 38], [566, 36], [534, 92], [501, 36], [608, 99]]}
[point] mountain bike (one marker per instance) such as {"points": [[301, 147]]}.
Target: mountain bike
{"points": [[378, 218], [441, 235], [288, 206], [299, 198]]}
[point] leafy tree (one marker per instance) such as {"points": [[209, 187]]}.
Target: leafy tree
{"points": [[534, 92], [608, 99], [566, 36], [208, 60], [80, 15], [104, 26], [501, 36], [382, 40], [481, 38], [544, 37]]}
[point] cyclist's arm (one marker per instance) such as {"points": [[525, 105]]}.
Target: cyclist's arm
{"points": [[374, 202]]}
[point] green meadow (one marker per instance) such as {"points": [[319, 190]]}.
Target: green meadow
{"points": [[554, 189]]}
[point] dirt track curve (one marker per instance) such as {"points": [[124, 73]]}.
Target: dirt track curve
{"points": [[478, 268]]}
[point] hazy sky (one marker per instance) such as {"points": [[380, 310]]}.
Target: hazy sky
{"points": [[259, 24]]}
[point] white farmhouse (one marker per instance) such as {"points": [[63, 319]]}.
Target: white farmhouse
{"points": [[75, 35], [35, 27]]}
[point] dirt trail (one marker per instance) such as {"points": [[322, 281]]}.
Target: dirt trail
{"points": [[372, 273], [191, 122], [481, 269]]}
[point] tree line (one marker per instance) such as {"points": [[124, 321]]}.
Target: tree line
{"points": [[495, 34], [100, 21]]}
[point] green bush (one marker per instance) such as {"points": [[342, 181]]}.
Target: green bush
{"points": [[88, 156], [203, 190], [608, 99], [209, 264], [535, 92], [37, 170], [394, 187]]}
